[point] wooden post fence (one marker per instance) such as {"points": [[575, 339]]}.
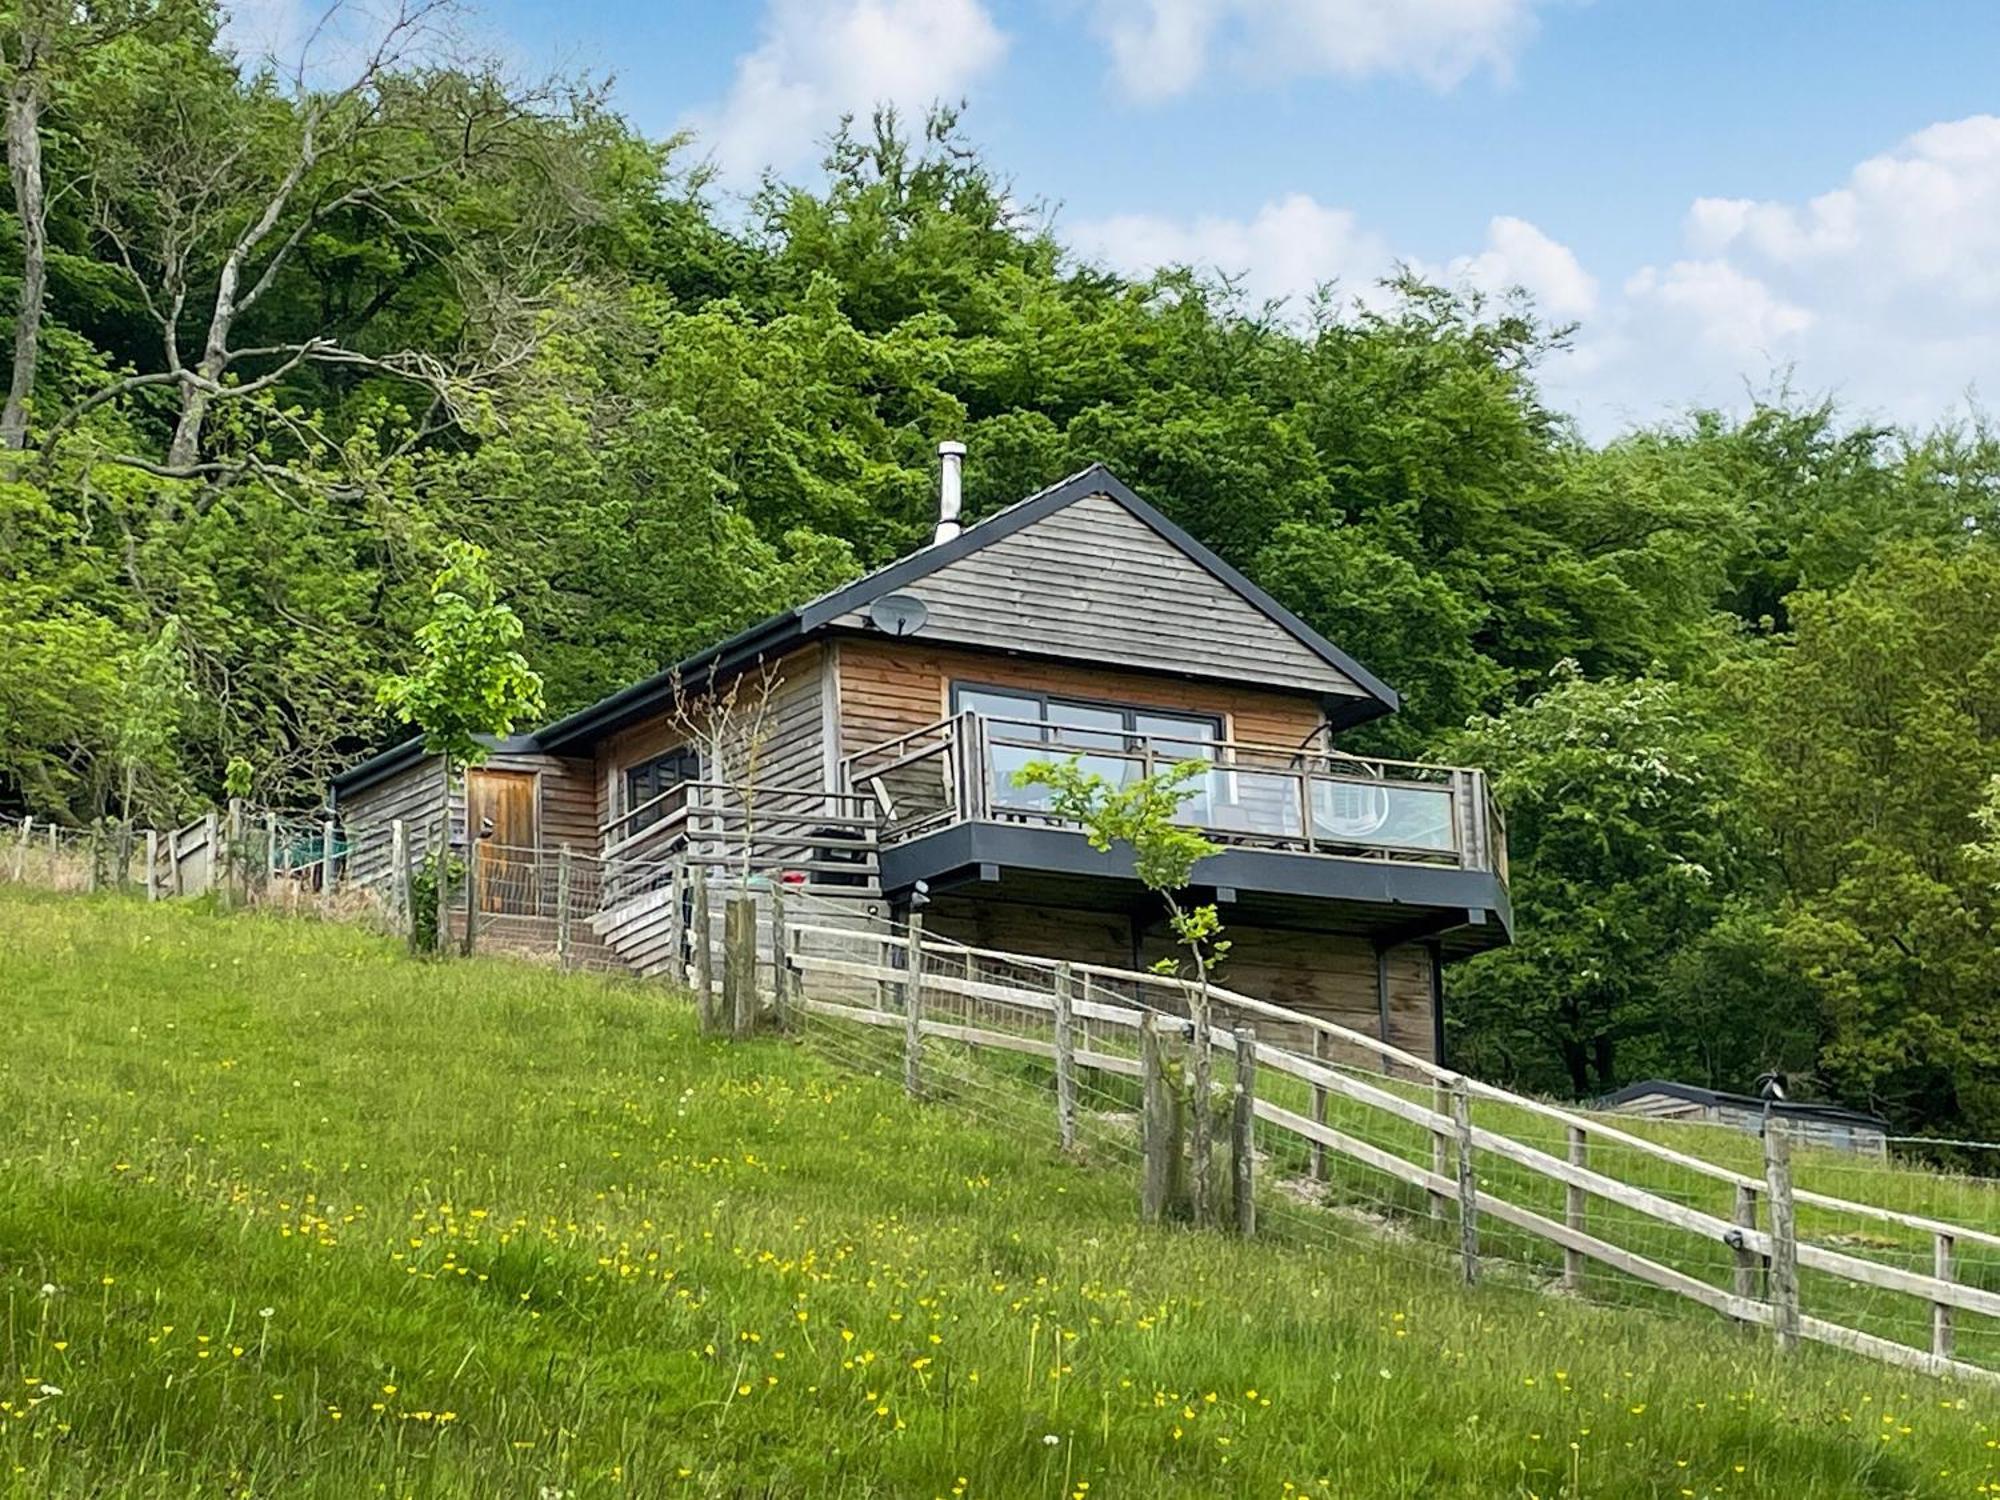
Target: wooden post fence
{"points": [[781, 959], [1468, 1182], [123, 845], [400, 883], [704, 955], [1576, 1206], [21, 854], [152, 864], [174, 876], [1784, 1233], [1744, 1280], [1942, 1335], [1441, 1146], [913, 1007], [1243, 1133], [271, 859], [326, 862], [1159, 1134], [1065, 1042], [739, 963], [211, 840], [96, 852], [467, 938], [235, 880], [563, 858], [1316, 1148]]}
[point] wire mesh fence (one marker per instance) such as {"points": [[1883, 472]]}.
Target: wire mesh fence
{"points": [[1349, 1138], [1276, 1118]]}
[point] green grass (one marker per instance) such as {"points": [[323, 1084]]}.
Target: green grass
{"points": [[284, 1213]]}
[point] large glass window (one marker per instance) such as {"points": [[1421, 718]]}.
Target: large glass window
{"points": [[1112, 740], [646, 782]]}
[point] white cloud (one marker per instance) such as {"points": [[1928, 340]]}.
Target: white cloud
{"points": [[1160, 48], [1517, 254], [1883, 291], [816, 59], [1285, 250]]}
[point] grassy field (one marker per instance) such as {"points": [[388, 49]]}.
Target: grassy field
{"points": [[284, 1213]]}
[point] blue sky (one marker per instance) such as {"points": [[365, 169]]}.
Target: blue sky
{"points": [[1716, 190]]}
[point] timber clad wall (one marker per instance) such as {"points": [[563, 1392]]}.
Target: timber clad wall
{"points": [[793, 747], [1094, 581], [890, 688], [565, 801], [1322, 974]]}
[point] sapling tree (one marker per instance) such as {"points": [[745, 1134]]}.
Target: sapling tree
{"points": [[470, 684], [1142, 814]]}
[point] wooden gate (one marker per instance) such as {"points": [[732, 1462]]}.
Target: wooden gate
{"points": [[502, 807]]}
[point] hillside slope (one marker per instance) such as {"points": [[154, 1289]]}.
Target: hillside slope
{"points": [[283, 1212]]}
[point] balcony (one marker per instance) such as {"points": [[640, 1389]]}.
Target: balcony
{"points": [[1294, 823]]}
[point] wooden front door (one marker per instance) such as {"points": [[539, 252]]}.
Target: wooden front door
{"points": [[502, 806]]}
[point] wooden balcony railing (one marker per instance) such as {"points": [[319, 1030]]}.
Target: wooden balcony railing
{"points": [[1309, 799]]}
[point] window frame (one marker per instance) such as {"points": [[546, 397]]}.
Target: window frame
{"points": [[1128, 712], [687, 754]]}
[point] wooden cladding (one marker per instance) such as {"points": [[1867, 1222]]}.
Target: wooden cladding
{"points": [[888, 689]]}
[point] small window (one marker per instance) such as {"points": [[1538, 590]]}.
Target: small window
{"points": [[651, 779]]}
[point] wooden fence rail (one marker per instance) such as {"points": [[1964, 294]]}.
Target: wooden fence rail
{"points": [[1027, 1008]]}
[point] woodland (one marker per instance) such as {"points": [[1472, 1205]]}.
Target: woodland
{"points": [[283, 337]]}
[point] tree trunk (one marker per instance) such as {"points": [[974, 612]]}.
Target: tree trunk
{"points": [[186, 446], [24, 166]]}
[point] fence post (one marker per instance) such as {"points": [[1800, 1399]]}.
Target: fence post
{"points": [[211, 837], [326, 865], [1747, 1260], [1942, 1340], [677, 926], [1200, 1091], [739, 963], [234, 880], [174, 876], [1243, 1132], [704, 955], [563, 858], [21, 854], [271, 858], [1159, 1137], [399, 874], [96, 853], [1316, 1150], [152, 864], [781, 977], [123, 847], [1784, 1233], [1576, 1204], [1065, 1061], [1468, 1181], [913, 1008], [466, 938], [1441, 1145]]}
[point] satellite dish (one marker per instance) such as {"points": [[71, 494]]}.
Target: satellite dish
{"points": [[898, 614]]}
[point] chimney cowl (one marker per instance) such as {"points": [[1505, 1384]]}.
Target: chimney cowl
{"points": [[951, 466]]}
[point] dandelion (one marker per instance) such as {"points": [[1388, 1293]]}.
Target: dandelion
{"points": [[1050, 1440]]}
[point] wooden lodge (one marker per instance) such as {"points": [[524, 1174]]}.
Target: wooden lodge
{"points": [[865, 745]]}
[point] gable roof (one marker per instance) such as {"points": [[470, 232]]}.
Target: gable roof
{"points": [[1694, 1093], [1350, 693], [1369, 697]]}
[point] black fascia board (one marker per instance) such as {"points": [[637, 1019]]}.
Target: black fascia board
{"points": [[1271, 871], [400, 757]]}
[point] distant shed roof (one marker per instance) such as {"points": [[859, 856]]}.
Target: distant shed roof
{"points": [[1803, 1109]]}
